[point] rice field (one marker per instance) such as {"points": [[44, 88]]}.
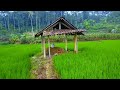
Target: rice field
{"points": [[15, 60], [95, 60]]}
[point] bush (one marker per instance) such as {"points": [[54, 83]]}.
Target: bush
{"points": [[4, 43], [14, 39], [26, 38], [99, 36]]}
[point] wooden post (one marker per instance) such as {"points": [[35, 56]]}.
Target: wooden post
{"points": [[49, 46], [44, 47], [75, 43], [42, 44], [65, 42], [59, 25]]}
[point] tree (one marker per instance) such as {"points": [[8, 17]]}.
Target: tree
{"points": [[88, 24], [31, 17], [36, 13], [114, 17], [85, 15], [8, 21]]}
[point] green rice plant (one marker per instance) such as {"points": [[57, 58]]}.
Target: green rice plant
{"points": [[15, 60], [95, 60]]}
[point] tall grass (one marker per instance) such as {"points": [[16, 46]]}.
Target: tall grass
{"points": [[99, 36], [15, 61], [87, 37], [95, 60]]}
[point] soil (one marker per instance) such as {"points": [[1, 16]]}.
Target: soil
{"points": [[55, 51], [44, 69]]}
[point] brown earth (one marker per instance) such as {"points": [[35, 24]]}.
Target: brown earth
{"points": [[43, 68], [55, 50]]}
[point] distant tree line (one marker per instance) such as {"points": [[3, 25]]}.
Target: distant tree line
{"points": [[19, 22]]}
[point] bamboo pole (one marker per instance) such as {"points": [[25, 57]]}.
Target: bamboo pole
{"points": [[42, 44], [49, 46], [59, 25], [65, 42], [44, 47], [75, 44]]}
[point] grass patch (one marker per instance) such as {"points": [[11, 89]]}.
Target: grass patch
{"points": [[15, 60], [95, 60]]}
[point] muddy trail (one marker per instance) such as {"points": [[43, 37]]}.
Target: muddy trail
{"points": [[42, 68]]}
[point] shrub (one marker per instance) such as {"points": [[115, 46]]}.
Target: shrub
{"points": [[26, 38], [14, 38]]}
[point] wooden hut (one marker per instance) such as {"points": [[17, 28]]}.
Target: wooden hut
{"points": [[59, 27]]}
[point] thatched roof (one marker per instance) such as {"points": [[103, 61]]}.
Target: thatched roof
{"points": [[61, 19], [62, 31], [72, 29]]}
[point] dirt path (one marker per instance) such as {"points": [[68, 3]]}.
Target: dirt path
{"points": [[42, 68]]}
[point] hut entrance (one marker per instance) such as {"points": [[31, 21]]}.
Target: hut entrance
{"points": [[60, 27], [53, 49]]}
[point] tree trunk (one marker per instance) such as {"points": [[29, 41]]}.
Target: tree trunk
{"points": [[5, 23], [19, 26], [32, 26], [36, 21], [8, 22], [14, 21]]}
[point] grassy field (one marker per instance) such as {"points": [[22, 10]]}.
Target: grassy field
{"points": [[15, 60], [95, 60]]}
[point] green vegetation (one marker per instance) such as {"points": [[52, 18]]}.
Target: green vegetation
{"points": [[20, 22], [95, 60], [27, 38], [15, 60], [20, 26], [88, 37], [99, 36]]}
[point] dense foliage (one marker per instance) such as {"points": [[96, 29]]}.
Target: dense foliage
{"points": [[15, 24], [18, 22]]}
